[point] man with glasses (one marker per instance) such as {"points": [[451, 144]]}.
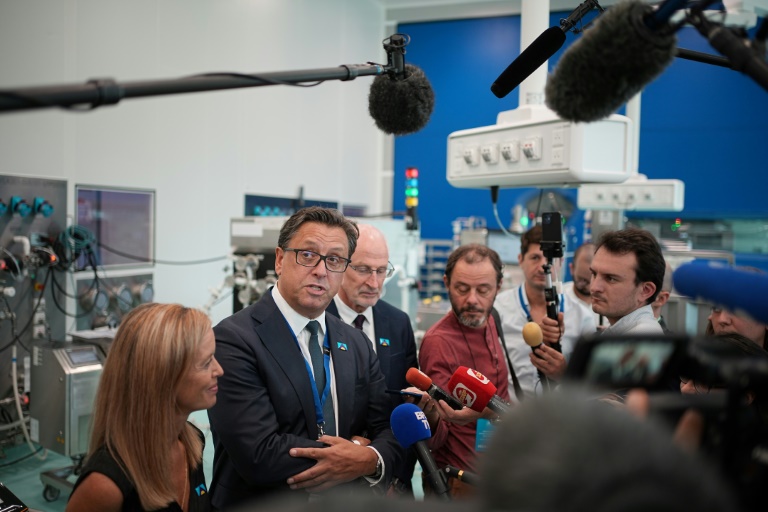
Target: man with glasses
{"points": [[388, 328], [303, 404]]}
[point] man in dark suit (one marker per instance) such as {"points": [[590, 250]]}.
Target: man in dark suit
{"points": [[388, 328], [303, 393]]}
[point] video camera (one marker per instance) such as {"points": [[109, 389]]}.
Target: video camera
{"points": [[730, 375]]}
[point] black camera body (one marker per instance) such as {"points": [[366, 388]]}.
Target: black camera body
{"points": [[653, 361], [733, 399]]}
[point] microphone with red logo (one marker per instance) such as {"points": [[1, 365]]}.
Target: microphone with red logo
{"points": [[476, 391], [419, 379]]}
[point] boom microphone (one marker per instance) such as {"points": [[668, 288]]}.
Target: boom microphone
{"points": [[419, 379], [411, 428], [737, 290], [476, 391], [537, 53], [629, 46], [401, 105]]}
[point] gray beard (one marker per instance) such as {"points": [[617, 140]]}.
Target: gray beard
{"points": [[472, 322]]}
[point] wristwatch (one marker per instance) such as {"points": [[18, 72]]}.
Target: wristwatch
{"points": [[376, 474]]}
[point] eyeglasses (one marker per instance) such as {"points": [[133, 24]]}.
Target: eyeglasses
{"points": [[307, 258], [380, 272], [701, 389]]}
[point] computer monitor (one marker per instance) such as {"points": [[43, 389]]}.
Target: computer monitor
{"points": [[122, 222], [507, 245]]}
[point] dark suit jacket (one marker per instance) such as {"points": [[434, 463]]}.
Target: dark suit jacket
{"points": [[265, 402], [392, 324], [396, 355]]}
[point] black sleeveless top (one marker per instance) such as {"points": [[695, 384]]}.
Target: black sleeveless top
{"points": [[102, 462]]}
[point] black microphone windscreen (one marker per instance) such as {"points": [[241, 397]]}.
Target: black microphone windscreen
{"points": [[400, 107], [529, 61], [611, 62]]}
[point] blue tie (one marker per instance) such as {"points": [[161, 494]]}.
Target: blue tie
{"points": [[318, 368]]}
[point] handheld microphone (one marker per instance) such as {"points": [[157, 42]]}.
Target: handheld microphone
{"points": [[737, 290], [401, 104], [411, 428], [629, 46], [419, 379], [463, 476], [476, 391], [533, 337]]}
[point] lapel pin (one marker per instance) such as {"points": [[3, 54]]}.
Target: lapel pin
{"points": [[384, 342], [341, 346]]}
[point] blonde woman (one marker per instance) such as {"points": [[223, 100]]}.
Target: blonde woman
{"points": [[143, 454]]}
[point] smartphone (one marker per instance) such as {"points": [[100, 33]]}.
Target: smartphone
{"points": [[552, 235], [404, 393], [551, 227]]}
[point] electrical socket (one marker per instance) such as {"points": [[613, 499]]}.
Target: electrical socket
{"points": [[38, 332], [39, 318]]}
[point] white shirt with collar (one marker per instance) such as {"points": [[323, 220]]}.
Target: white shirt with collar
{"points": [[569, 292], [298, 324], [348, 316], [513, 317], [640, 321]]}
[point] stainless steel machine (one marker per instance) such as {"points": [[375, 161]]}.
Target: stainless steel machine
{"points": [[64, 377]]}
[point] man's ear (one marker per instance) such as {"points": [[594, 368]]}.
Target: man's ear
{"points": [[446, 281], [662, 298], [278, 260], [647, 289]]}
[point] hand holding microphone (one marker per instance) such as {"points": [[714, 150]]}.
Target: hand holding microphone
{"points": [[549, 362], [417, 378], [411, 428], [476, 391]]}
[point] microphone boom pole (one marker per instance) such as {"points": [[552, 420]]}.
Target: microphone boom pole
{"points": [[106, 91]]}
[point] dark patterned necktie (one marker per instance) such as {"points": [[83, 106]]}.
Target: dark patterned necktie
{"points": [[358, 322], [318, 367]]}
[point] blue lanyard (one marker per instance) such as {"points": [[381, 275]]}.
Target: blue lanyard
{"points": [[527, 311], [319, 401]]}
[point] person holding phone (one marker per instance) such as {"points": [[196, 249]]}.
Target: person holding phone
{"points": [[527, 303], [468, 335]]}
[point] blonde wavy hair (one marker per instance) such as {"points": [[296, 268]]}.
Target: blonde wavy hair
{"points": [[136, 408]]}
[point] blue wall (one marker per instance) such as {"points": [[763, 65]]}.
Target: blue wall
{"points": [[705, 125]]}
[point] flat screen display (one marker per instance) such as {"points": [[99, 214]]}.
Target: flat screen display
{"points": [[122, 222], [83, 357], [508, 246]]}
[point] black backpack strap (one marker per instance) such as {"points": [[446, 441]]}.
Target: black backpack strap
{"points": [[515, 382]]}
